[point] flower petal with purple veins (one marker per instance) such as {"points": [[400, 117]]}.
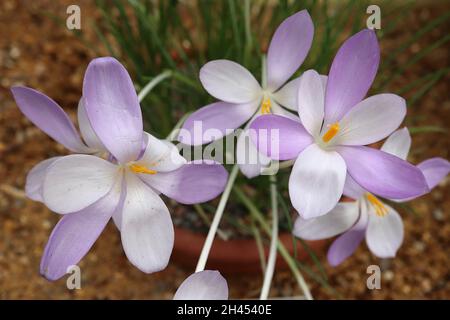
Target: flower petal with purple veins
{"points": [[288, 48], [351, 75], [219, 117], [113, 108], [279, 137], [382, 173], [194, 182], [48, 116], [434, 170], [75, 234]]}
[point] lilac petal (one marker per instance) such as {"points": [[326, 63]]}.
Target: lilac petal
{"points": [[278, 137], [434, 170], [351, 74], [113, 108], [251, 162], [229, 81], [339, 219], [146, 228], [194, 182], [371, 120], [75, 234], [352, 189], [87, 132], [344, 246], [49, 117], [398, 143], [288, 48], [316, 181], [384, 235], [35, 179], [203, 285], [382, 173], [219, 118]]}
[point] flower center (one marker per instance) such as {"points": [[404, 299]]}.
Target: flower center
{"points": [[141, 169], [380, 209], [333, 129], [266, 106]]}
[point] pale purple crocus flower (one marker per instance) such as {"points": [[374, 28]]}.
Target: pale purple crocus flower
{"points": [[203, 285], [335, 126], [242, 98], [89, 190], [368, 217], [47, 115]]}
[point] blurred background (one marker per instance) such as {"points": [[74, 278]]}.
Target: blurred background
{"points": [[152, 37]]}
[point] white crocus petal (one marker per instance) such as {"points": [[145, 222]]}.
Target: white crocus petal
{"points": [[287, 95], [338, 220], [371, 120], [203, 285], [229, 81], [87, 132], [398, 143], [311, 102], [35, 179], [316, 181], [146, 227], [251, 162], [76, 181], [161, 155], [384, 234]]}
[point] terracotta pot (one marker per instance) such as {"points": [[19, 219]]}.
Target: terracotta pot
{"points": [[233, 256]]}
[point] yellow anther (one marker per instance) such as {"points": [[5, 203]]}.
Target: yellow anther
{"points": [[265, 106], [141, 169], [380, 209], [333, 129]]}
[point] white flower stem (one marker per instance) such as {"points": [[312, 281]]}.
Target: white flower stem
{"points": [[153, 83], [268, 276], [216, 220]]}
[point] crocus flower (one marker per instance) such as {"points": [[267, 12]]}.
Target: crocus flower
{"points": [[89, 190], [203, 285], [368, 216], [46, 114], [242, 98], [335, 126]]}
